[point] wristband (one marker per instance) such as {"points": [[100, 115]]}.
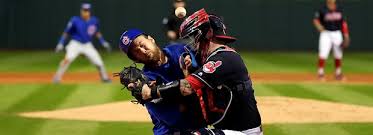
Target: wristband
{"points": [[170, 90], [62, 40], [154, 92], [102, 40]]}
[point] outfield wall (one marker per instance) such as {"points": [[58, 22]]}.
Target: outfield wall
{"points": [[258, 24]]}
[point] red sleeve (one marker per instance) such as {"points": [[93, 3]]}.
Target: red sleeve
{"points": [[345, 28], [194, 82]]}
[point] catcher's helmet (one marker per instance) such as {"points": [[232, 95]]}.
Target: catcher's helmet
{"points": [[196, 27], [219, 29]]}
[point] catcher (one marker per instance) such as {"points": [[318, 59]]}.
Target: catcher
{"points": [[222, 84]]}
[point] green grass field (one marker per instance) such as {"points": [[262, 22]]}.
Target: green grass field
{"points": [[17, 98]]}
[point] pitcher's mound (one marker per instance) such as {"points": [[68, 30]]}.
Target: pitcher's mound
{"points": [[273, 110], [119, 111], [296, 110]]}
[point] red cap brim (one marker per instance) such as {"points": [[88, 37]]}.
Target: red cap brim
{"points": [[227, 39]]}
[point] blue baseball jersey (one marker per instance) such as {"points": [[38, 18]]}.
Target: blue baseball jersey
{"points": [[82, 30], [167, 117]]}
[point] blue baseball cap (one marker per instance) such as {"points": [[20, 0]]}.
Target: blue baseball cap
{"points": [[86, 6], [127, 38]]}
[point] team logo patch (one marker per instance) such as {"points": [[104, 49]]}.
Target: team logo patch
{"points": [[92, 29], [126, 40], [334, 16], [211, 66]]}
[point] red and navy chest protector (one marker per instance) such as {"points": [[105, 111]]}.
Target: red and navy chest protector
{"points": [[229, 101]]}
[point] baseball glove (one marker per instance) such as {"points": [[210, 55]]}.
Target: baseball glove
{"points": [[133, 75]]}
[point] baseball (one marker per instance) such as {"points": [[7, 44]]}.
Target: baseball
{"points": [[180, 12]]}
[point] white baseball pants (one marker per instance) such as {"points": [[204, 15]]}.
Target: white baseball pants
{"points": [[329, 40]]}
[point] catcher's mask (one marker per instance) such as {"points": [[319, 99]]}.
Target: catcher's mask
{"points": [[196, 28]]}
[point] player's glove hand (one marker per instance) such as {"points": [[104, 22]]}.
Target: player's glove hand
{"points": [[107, 46], [346, 42], [59, 48], [134, 80]]}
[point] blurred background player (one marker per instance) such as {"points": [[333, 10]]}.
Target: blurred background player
{"points": [[172, 23], [331, 24], [81, 30]]}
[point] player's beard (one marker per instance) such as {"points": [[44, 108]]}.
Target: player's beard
{"points": [[154, 57]]}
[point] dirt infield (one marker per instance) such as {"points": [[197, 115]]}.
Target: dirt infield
{"points": [[11, 78], [119, 111], [273, 110]]}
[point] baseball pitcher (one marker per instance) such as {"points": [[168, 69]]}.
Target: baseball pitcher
{"points": [[161, 65]]}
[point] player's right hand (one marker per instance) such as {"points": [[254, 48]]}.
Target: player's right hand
{"points": [[346, 42], [188, 61], [59, 48], [185, 63], [145, 90]]}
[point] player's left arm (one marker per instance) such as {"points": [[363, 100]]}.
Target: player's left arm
{"points": [[346, 34], [64, 35], [317, 23], [100, 38], [205, 76], [103, 42], [173, 90]]}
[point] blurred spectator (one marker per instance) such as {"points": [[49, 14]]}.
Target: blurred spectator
{"points": [[172, 23]]}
